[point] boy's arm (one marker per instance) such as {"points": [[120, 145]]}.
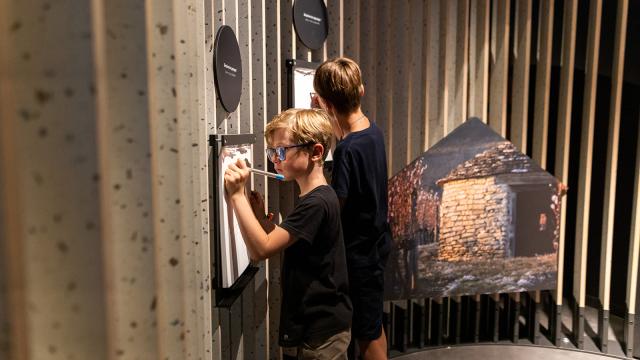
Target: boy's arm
{"points": [[260, 244]]}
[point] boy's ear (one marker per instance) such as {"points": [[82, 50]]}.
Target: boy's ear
{"points": [[317, 152]]}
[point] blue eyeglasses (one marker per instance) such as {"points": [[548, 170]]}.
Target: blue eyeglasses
{"points": [[281, 151]]}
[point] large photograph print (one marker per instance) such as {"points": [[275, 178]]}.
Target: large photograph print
{"points": [[472, 215]]}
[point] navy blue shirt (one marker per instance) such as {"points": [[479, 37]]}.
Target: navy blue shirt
{"points": [[360, 178]]}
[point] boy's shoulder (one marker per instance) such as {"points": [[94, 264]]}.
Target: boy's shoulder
{"points": [[323, 193]]}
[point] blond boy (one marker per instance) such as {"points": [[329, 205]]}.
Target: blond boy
{"points": [[315, 310]]}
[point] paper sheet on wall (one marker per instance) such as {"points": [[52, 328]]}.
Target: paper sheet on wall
{"points": [[233, 251]]}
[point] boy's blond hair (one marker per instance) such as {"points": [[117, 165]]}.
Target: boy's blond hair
{"points": [[339, 82], [304, 126]]}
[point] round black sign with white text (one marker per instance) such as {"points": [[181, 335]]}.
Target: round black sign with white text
{"points": [[227, 65], [310, 22]]}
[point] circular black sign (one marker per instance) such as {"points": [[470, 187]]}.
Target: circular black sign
{"points": [[227, 66], [310, 22]]}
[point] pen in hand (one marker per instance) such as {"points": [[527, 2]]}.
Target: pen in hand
{"points": [[266, 173]]}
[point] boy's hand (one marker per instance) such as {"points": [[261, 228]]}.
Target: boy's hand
{"points": [[257, 204], [235, 178]]}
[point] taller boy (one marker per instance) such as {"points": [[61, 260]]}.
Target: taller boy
{"points": [[360, 181]]}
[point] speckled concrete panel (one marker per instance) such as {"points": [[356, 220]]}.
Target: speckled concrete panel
{"points": [[189, 44], [163, 125], [258, 93], [335, 36], [351, 29], [127, 228], [273, 105], [4, 294], [48, 112]]}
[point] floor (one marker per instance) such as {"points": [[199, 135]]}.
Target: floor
{"points": [[503, 351]]}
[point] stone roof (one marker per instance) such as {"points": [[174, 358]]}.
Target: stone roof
{"points": [[501, 159]]}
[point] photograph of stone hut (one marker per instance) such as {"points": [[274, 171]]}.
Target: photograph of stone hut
{"points": [[472, 215]]}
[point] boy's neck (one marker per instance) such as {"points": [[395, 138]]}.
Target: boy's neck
{"points": [[352, 122], [313, 179]]}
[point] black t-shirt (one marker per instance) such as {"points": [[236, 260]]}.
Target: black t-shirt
{"points": [[360, 177], [315, 302]]}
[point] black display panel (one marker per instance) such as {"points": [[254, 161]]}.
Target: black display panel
{"points": [[227, 65], [310, 22]]}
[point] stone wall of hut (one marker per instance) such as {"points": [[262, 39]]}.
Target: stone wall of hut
{"points": [[474, 220]]}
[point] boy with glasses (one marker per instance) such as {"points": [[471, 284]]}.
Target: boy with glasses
{"points": [[315, 311]]}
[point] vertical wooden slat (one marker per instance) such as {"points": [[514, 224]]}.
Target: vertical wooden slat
{"points": [[335, 36], [449, 28], [220, 18], [586, 151], [192, 167], [123, 139], [416, 115], [634, 256], [320, 55], [368, 44], [400, 70], [384, 106], [479, 59], [200, 245], [543, 83], [521, 65], [244, 34], [273, 75], [216, 123], [570, 19], [434, 97], [258, 59], [162, 122], [5, 317], [351, 29], [611, 172], [231, 19], [499, 70], [14, 312], [460, 101]]}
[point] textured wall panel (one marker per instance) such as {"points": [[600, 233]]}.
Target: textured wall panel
{"points": [[124, 152], [52, 180]]}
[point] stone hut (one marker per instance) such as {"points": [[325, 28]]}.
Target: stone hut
{"points": [[498, 204]]}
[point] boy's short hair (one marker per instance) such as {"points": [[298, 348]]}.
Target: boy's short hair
{"points": [[339, 81], [304, 125]]}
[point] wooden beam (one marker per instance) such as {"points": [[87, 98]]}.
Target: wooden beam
{"points": [[543, 83], [521, 71], [586, 150], [499, 79]]}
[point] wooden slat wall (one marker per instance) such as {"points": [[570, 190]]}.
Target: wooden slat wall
{"points": [[543, 83], [499, 70], [521, 70], [563, 138], [586, 158], [611, 171], [125, 96]]}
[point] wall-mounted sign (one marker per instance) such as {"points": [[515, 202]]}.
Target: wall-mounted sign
{"points": [[227, 66], [310, 22]]}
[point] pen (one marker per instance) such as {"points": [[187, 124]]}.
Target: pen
{"points": [[266, 173]]}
